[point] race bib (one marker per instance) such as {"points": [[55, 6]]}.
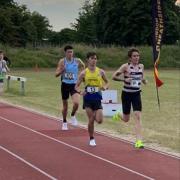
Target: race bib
{"points": [[91, 89], [136, 83], [69, 76]]}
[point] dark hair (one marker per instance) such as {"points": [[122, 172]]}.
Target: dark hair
{"points": [[67, 47], [90, 54], [1, 52], [130, 51]]}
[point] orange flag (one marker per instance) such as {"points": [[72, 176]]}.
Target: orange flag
{"points": [[158, 29]]}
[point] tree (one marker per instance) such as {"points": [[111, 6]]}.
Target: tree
{"points": [[41, 23], [6, 2], [172, 22], [125, 22], [86, 23], [18, 25]]}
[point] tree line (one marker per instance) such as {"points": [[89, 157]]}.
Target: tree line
{"points": [[100, 22], [125, 22]]}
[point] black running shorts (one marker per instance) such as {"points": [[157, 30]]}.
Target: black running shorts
{"points": [[131, 98], [67, 89]]}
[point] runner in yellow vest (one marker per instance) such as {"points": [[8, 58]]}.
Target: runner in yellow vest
{"points": [[95, 80]]}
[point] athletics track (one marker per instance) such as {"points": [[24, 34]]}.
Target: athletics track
{"points": [[32, 147]]}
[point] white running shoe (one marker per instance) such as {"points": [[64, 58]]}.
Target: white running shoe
{"points": [[64, 126], [92, 142], [74, 121]]}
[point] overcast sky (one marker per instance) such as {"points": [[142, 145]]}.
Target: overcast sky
{"points": [[59, 12]]}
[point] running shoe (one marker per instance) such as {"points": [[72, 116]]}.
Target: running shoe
{"points": [[92, 142], [117, 116], [139, 144], [74, 121], [64, 126]]}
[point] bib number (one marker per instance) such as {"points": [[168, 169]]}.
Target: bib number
{"points": [[135, 83], [92, 89], [69, 76]]}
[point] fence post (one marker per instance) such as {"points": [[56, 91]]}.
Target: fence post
{"points": [[22, 88]]}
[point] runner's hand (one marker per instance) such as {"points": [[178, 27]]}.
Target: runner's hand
{"points": [[144, 81], [103, 88], [128, 80]]}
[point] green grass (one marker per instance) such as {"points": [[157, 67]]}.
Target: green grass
{"points": [[109, 57], [162, 127]]}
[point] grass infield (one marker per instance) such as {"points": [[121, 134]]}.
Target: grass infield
{"points": [[42, 93]]}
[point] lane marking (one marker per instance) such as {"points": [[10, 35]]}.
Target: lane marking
{"points": [[82, 127], [28, 163], [78, 149]]}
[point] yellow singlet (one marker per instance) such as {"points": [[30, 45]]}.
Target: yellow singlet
{"points": [[93, 79]]}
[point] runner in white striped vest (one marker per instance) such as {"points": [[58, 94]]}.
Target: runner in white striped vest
{"points": [[132, 74]]}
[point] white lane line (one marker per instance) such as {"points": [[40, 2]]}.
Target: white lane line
{"points": [[78, 149], [82, 127], [28, 163]]}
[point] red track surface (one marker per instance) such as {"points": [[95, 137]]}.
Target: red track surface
{"points": [[32, 146]]}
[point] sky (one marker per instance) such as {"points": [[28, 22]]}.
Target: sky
{"points": [[61, 13]]}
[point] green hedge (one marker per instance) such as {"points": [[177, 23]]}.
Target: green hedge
{"points": [[109, 57]]}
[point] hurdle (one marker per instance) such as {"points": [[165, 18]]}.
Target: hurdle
{"points": [[22, 81]]}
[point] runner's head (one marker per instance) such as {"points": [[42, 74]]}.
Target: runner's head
{"points": [[68, 52], [134, 55], [91, 58]]}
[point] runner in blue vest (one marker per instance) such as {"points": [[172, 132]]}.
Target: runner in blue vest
{"points": [[68, 69]]}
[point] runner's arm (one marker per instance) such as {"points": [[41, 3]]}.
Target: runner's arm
{"points": [[117, 74], [60, 68], [144, 80], [81, 64], [80, 80], [6, 67], [106, 85], [8, 70]]}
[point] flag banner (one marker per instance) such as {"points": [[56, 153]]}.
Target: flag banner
{"points": [[158, 29]]}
